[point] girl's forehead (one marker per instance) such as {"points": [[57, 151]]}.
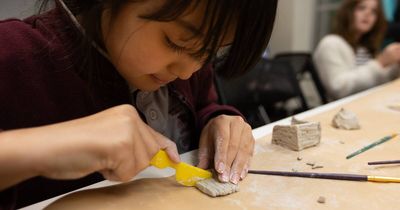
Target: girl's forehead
{"points": [[373, 3], [194, 21]]}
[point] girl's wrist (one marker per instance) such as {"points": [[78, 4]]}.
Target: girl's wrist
{"points": [[17, 161]]}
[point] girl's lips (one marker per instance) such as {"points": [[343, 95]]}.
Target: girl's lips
{"points": [[159, 81], [366, 21]]}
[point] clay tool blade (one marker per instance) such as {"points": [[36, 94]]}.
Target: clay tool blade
{"points": [[380, 141], [335, 176], [185, 174]]}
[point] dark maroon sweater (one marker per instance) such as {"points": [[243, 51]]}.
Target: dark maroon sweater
{"points": [[39, 85]]}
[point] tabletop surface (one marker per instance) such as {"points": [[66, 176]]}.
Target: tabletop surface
{"points": [[155, 189]]}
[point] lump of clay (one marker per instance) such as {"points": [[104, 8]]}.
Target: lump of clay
{"points": [[297, 136], [321, 199], [395, 107], [346, 120], [215, 188]]}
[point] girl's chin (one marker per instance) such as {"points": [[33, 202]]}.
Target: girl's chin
{"points": [[364, 30], [149, 87], [147, 83]]}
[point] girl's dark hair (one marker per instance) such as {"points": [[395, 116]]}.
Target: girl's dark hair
{"points": [[253, 21], [344, 27]]}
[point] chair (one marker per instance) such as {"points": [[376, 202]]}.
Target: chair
{"points": [[241, 93], [277, 86], [258, 91], [302, 63]]}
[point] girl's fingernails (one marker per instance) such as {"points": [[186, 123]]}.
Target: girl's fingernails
{"points": [[176, 158], [243, 174], [235, 178], [225, 177], [220, 167]]}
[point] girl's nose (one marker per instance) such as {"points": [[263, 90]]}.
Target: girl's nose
{"points": [[183, 68]]}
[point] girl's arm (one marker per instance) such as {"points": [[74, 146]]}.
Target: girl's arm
{"points": [[114, 142], [16, 162]]}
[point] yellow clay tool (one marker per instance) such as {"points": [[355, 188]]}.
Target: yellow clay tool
{"points": [[186, 174]]}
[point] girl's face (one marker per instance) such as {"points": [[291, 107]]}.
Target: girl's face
{"points": [[150, 54], [365, 16]]}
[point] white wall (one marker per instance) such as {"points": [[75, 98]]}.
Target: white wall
{"points": [[16, 8], [294, 26]]}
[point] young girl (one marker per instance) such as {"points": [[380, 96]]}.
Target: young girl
{"points": [[68, 77], [349, 60]]}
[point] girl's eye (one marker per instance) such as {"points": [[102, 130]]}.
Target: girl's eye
{"points": [[176, 48], [360, 7], [179, 49]]}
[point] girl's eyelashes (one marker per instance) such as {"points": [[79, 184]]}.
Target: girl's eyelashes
{"points": [[176, 48], [179, 49]]}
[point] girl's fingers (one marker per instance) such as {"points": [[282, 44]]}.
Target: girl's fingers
{"points": [[237, 168], [236, 127], [172, 151], [236, 132], [245, 171], [109, 175], [243, 157], [167, 145], [221, 141], [221, 136]]}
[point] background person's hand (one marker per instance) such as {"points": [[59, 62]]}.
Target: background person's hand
{"points": [[228, 140], [390, 55]]}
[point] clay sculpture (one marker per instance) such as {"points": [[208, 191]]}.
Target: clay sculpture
{"points": [[297, 136], [215, 188]]}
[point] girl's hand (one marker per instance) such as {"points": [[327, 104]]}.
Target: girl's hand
{"points": [[390, 55], [114, 142], [230, 137]]}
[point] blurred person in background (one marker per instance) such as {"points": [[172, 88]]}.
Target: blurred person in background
{"points": [[350, 60]]}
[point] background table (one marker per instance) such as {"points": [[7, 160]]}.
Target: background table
{"points": [[274, 192]]}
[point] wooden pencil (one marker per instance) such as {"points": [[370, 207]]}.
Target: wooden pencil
{"points": [[384, 162], [335, 176]]}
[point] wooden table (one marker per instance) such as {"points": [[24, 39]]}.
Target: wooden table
{"points": [[150, 191]]}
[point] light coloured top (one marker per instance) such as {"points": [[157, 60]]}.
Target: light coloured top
{"points": [[336, 63], [362, 56]]}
